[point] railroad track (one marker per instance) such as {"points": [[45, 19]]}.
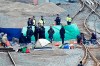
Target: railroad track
{"points": [[11, 59], [6, 59], [87, 31]]}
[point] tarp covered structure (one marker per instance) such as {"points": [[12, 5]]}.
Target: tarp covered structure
{"points": [[42, 43], [71, 32]]}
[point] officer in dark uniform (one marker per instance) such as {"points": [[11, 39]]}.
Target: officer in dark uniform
{"points": [[51, 32], [58, 20], [42, 32], [30, 22], [62, 34], [36, 33], [29, 34]]}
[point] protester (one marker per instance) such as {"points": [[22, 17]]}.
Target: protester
{"points": [[83, 38], [62, 34], [51, 32], [1, 35], [30, 22], [80, 64], [42, 21], [58, 20], [5, 41], [69, 19], [29, 34], [79, 38], [93, 38]]}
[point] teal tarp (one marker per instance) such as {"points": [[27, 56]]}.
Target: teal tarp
{"points": [[71, 32]]}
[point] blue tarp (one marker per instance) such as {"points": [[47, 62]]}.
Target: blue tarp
{"points": [[11, 32]]}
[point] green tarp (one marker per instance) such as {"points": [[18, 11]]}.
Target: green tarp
{"points": [[71, 32]]}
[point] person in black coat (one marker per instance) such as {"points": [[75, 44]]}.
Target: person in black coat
{"points": [[22, 39], [62, 34], [80, 64], [36, 33], [58, 20], [30, 22], [79, 39], [41, 32], [29, 34], [51, 32], [93, 38], [83, 38]]}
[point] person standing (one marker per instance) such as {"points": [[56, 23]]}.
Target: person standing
{"points": [[41, 32], [29, 34], [30, 22], [58, 20], [69, 19], [62, 34], [34, 21], [36, 33], [51, 32], [42, 21]]}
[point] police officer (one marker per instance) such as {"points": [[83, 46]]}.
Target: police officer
{"points": [[42, 21], [51, 32], [29, 34], [36, 33], [34, 21], [69, 19], [29, 22], [41, 32], [62, 34], [58, 20]]}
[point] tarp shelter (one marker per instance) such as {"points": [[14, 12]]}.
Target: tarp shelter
{"points": [[71, 32], [42, 43]]}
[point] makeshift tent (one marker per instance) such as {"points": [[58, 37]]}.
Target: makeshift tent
{"points": [[42, 43], [71, 32]]}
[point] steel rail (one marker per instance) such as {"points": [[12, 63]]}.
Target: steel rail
{"points": [[87, 52], [12, 60], [79, 10]]}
